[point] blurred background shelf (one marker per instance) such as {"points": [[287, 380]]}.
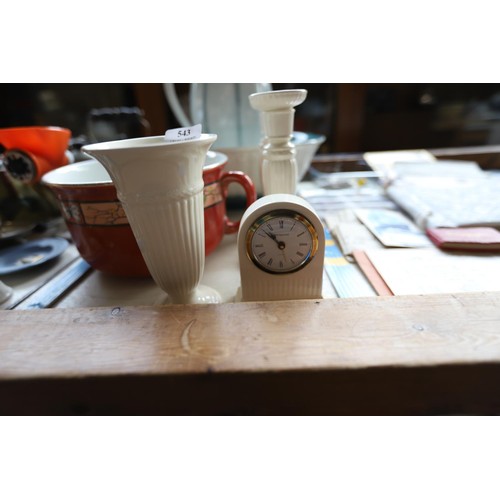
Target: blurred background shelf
{"points": [[354, 117]]}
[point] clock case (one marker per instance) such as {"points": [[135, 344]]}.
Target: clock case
{"points": [[259, 285]]}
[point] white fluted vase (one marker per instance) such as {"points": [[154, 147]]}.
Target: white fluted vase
{"points": [[160, 185]]}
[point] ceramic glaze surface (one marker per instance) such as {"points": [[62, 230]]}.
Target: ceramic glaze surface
{"points": [[96, 219], [249, 160], [303, 282], [215, 191], [160, 185], [276, 100], [279, 169], [151, 168], [98, 223], [170, 234], [85, 173]]}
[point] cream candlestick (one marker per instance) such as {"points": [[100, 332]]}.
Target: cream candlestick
{"points": [[279, 165]]}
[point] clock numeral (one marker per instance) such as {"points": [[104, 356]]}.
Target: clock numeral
{"points": [[262, 255], [281, 224], [269, 262], [260, 245], [300, 234], [281, 264], [300, 254], [302, 244], [270, 227]]}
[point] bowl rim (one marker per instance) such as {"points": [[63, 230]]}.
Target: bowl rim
{"points": [[51, 128], [218, 159], [314, 138], [213, 160], [47, 178]]}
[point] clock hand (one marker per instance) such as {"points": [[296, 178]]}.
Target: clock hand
{"points": [[271, 235], [281, 244]]}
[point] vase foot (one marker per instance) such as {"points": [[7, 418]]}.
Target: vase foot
{"points": [[202, 294], [205, 295]]}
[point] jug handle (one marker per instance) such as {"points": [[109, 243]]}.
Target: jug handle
{"points": [[175, 105]]}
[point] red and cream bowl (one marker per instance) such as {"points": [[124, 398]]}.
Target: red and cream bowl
{"points": [[97, 222], [96, 219]]}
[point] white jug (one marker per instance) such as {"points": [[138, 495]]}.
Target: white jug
{"points": [[222, 109]]}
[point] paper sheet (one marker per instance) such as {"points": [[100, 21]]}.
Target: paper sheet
{"points": [[426, 271], [383, 161], [392, 228]]}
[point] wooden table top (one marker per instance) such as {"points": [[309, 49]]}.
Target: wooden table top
{"points": [[381, 355]]}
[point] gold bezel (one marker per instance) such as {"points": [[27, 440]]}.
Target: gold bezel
{"points": [[272, 215]]}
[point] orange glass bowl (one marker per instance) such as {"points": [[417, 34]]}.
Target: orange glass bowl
{"points": [[45, 146]]}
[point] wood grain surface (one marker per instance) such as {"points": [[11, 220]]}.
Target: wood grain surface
{"points": [[288, 335], [247, 337], [414, 353], [383, 355]]}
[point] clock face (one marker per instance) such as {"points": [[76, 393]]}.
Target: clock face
{"points": [[281, 241]]}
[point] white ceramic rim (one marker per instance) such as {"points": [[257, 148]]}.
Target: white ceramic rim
{"points": [[214, 159], [61, 176], [145, 143]]}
